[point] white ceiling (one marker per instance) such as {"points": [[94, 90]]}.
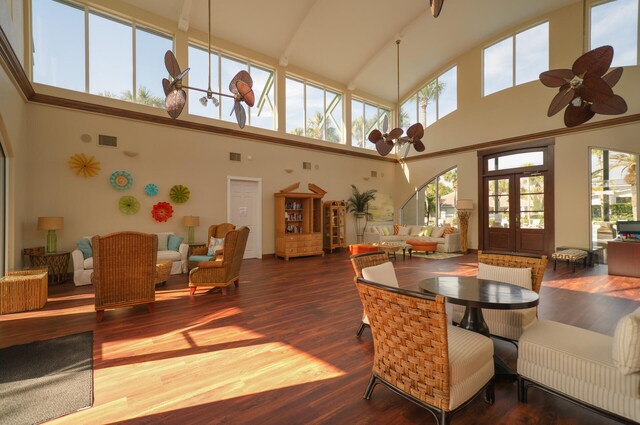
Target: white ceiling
{"points": [[353, 41]]}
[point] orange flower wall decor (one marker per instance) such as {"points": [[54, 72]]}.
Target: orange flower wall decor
{"points": [[162, 211], [83, 166]]}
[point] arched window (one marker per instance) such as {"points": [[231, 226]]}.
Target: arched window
{"points": [[434, 203]]}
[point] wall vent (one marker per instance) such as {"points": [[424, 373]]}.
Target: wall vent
{"points": [[374, 174], [235, 156], [109, 141], [306, 165]]}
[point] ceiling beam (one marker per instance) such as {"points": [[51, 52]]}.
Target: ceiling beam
{"points": [[185, 16], [293, 41]]}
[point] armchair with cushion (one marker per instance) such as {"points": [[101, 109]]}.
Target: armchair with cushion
{"points": [[225, 270], [124, 272], [200, 254]]}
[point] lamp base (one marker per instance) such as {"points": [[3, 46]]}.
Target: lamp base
{"points": [[191, 235], [52, 241]]}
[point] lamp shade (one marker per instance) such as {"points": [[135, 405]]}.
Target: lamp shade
{"points": [[464, 204], [50, 223], [191, 221]]}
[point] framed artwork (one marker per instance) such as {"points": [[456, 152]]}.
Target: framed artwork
{"points": [[381, 208]]}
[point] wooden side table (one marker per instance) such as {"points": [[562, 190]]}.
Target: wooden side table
{"points": [[56, 262]]}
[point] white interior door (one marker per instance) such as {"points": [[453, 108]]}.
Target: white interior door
{"points": [[245, 209]]}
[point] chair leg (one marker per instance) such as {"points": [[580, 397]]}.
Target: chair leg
{"points": [[522, 390], [555, 264], [361, 329], [573, 267], [237, 283], [192, 290], [150, 307], [224, 290], [446, 418], [490, 394], [372, 383], [99, 315]]}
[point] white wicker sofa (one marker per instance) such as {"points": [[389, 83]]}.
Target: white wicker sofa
{"points": [[599, 372], [446, 243], [83, 267]]}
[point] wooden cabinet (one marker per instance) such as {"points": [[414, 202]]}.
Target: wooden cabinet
{"points": [[298, 222], [335, 225], [624, 258]]}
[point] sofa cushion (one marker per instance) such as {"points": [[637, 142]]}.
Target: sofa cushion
{"points": [[374, 229], [88, 263], [168, 255], [404, 230], [626, 343], [200, 258], [214, 245], [385, 230], [173, 242], [448, 230], [437, 232], [513, 275], [382, 273], [415, 230], [84, 245], [426, 231], [162, 241]]}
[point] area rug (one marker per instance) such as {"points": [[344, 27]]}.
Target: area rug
{"points": [[436, 255], [47, 379]]}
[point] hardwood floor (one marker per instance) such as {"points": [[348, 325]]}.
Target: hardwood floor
{"points": [[281, 348]]}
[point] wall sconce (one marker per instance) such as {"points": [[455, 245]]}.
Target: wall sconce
{"points": [[464, 207], [191, 221], [51, 224], [288, 170]]}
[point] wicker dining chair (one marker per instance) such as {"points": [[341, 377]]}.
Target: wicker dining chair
{"points": [[417, 355], [509, 324], [124, 270], [359, 262], [222, 272]]}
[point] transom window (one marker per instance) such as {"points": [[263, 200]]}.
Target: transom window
{"points": [[516, 160], [517, 59], [313, 111], [433, 101], [223, 69], [366, 117], [125, 60], [615, 23]]}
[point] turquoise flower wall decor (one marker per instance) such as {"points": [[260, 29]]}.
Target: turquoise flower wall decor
{"points": [[121, 180], [151, 189]]}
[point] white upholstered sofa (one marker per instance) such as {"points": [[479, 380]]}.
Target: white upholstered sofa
{"points": [[83, 267], [446, 243]]}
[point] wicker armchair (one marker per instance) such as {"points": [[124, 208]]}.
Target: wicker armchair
{"points": [[418, 356], [359, 262], [509, 324], [215, 231], [222, 272], [124, 270]]}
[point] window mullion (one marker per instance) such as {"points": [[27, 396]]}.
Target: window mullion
{"points": [[219, 56], [324, 114], [248, 107], [134, 94], [513, 61], [87, 82], [304, 107]]}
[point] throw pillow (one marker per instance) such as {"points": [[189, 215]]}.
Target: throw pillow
{"points": [[514, 275], [214, 245], [385, 230], [162, 241], [427, 231], [626, 343], [382, 273], [415, 230], [395, 228], [448, 230], [173, 243], [84, 245], [374, 229], [403, 230], [437, 232]]}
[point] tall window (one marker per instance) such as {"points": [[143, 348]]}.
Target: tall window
{"points": [[433, 101], [614, 192], [434, 203], [313, 111], [615, 23], [60, 31], [366, 117], [223, 69], [516, 60]]}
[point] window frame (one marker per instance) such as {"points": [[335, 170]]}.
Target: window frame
{"points": [[379, 108], [437, 99]]}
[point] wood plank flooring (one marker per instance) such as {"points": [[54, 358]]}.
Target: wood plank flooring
{"points": [[281, 348]]}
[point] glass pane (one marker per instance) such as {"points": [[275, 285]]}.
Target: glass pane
{"points": [[532, 53], [110, 57], [58, 45], [150, 69], [426, 98], [358, 136], [498, 66], [295, 107], [498, 203], [229, 67], [371, 122], [532, 220], [499, 187], [408, 113], [198, 78], [518, 160], [448, 98], [615, 23], [500, 219], [447, 195], [315, 112], [334, 117], [533, 202], [430, 205], [408, 212], [262, 113]]}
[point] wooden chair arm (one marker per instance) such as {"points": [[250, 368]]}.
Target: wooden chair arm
{"points": [[201, 250], [210, 264]]}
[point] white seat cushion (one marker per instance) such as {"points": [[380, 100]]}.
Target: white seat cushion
{"points": [[88, 263], [470, 364], [169, 255], [382, 273], [626, 343]]}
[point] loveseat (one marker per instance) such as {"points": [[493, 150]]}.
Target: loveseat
{"points": [[83, 259], [378, 233]]}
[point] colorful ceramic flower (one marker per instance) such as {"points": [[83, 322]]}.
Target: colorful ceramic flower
{"points": [[162, 211], [151, 189], [179, 194], [129, 205], [121, 180], [83, 166]]}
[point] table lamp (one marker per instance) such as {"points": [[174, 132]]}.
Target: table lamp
{"points": [[464, 207], [51, 224], [191, 221]]}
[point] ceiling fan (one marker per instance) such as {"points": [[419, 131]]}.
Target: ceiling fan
{"points": [[240, 87], [385, 141], [436, 7]]}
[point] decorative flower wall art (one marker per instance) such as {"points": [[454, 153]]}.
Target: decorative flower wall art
{"points": [[129, 205], [162, 211], [151, 189], [121, 180], [179, 194], [83, 166]]}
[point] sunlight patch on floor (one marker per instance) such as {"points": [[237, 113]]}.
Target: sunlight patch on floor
{"points": [[600, 285]]}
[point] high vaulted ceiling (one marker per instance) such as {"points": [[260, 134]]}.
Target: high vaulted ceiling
{"points": [[353, 41]]}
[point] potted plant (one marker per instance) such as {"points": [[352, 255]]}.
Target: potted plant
{"points": [[358, 204]]}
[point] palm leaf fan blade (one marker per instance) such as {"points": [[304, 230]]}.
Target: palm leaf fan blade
{"points": [[561, 100], [576, 115], [615, 105], [384, 147], [246, 93], [171, 63], [595, 62], [556, 77], [175, 102]]}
